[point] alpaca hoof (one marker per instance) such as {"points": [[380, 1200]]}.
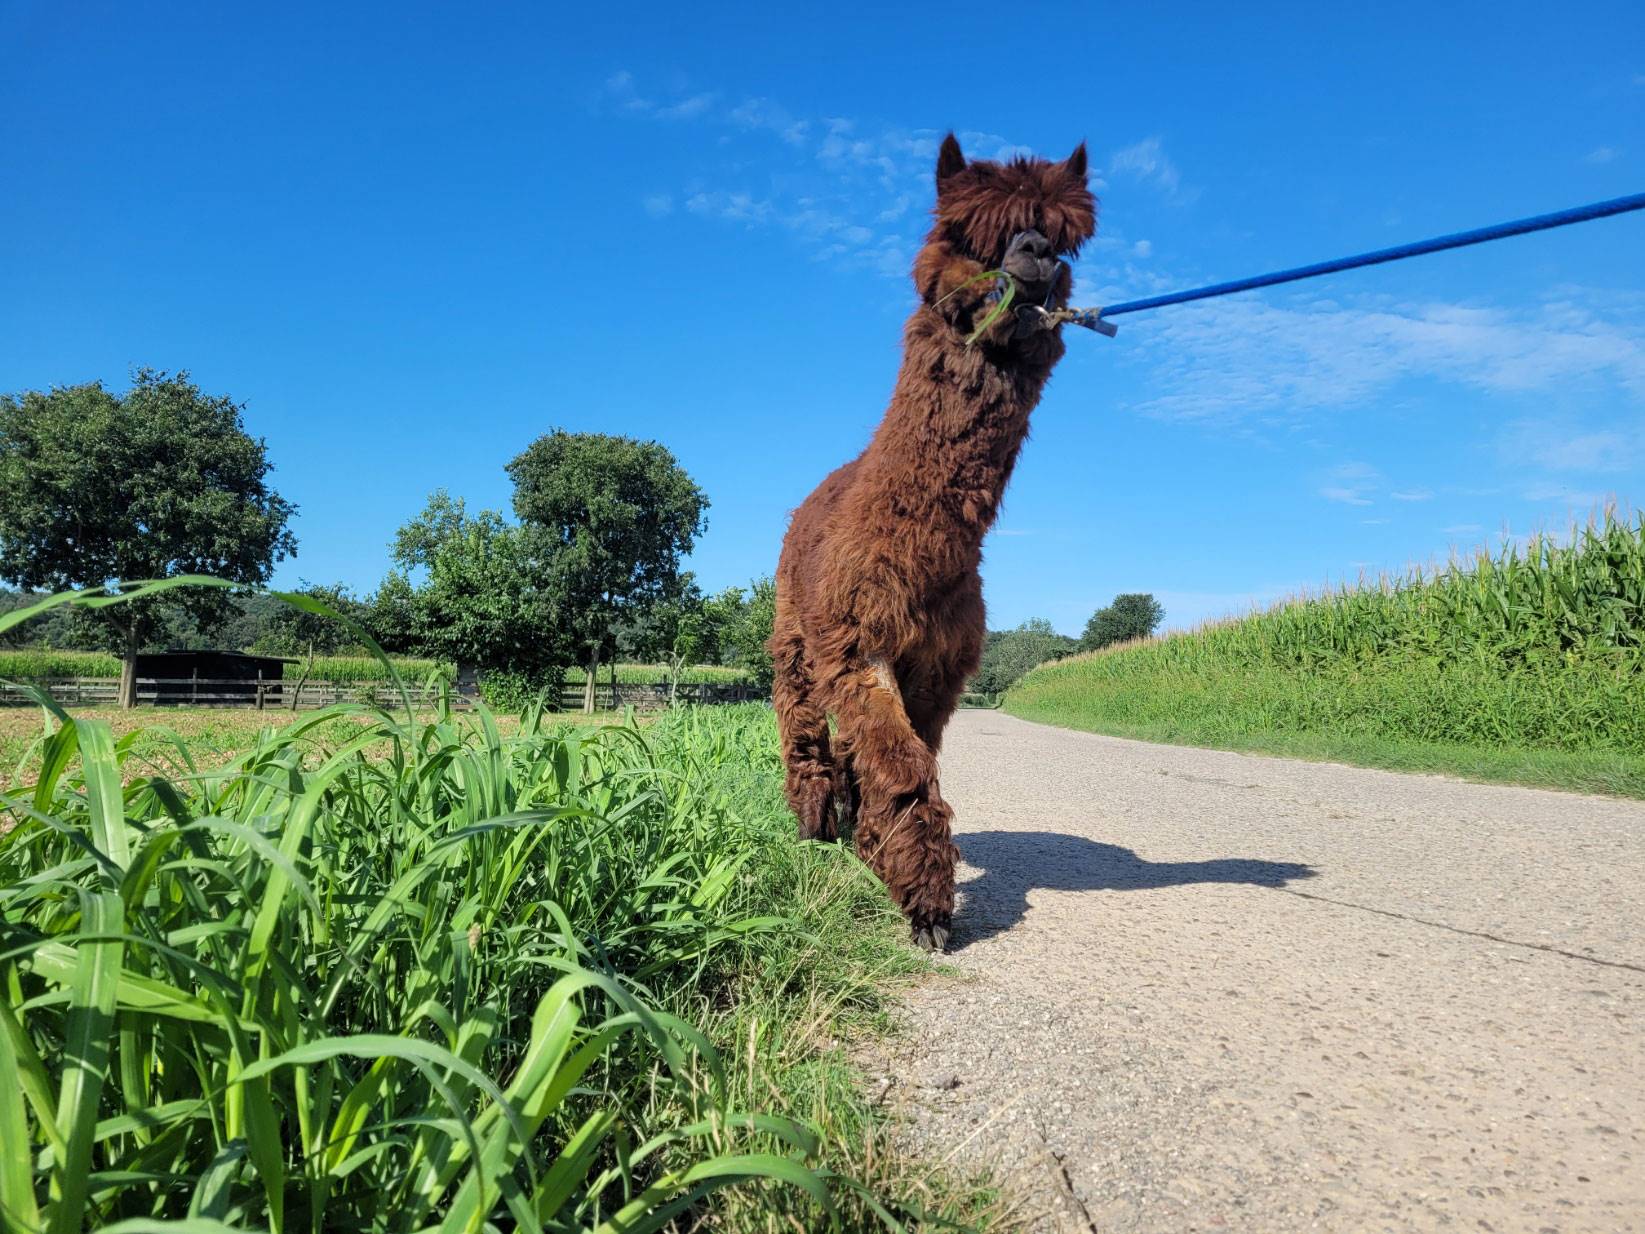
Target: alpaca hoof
{"points": [[931, 939]]}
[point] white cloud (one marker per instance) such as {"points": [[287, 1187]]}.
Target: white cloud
{"points": [[687, 108], [1375, 522], [737, 207], [619, 90], [1352, 484], [1412, 494], [1239, 357], [1463, 529], [1601, 155], [1143, 248], [1565, 495], [658, 204], [852, 192], [1562, 447], [1148, 162], [760, 113]]}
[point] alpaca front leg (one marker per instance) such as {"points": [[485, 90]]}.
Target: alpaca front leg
{"points": [[903, 824], [907, 840]]}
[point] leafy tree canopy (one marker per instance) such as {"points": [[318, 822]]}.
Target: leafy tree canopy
{"points": [[1132, 615], [484, 599], [98, 488], [1008, 654], [609, 519]]}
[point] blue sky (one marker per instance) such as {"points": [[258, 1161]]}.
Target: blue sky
{"points": [[412, 238]]}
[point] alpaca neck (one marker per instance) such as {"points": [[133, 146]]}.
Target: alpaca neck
{"points": [[956, 423]]}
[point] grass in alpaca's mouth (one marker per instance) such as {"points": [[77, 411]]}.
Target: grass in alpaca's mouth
{"points": [[1001, 306]]}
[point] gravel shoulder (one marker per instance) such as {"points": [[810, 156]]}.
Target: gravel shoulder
{"points": [[1196, 990]]}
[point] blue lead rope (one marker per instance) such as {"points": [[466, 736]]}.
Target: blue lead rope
{"points": [[1097, 319]]}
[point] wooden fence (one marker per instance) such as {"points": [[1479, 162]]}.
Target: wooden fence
{"points": [[289, 695]]}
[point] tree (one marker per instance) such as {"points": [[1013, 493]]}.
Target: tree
{"points": [[286, 630], [609, 518], [1008, 654], [391, 616], [673, 629], [1132, 615], [723, 615], [98, 488], [749, 636], [484, 600]]}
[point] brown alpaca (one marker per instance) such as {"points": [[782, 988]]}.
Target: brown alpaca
{"points": [[879, 604]]}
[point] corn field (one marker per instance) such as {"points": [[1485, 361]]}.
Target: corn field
{"points": [[38, 664], [1540, 646], [1551, 603]]}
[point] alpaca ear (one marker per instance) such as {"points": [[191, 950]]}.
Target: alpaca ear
{"points": [[950, 159], [1075, 162]]}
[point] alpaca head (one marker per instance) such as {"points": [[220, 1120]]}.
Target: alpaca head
{"points": [[1023, 216]]}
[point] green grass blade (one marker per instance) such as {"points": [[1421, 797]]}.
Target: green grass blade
{"points": [[85, 1059]]}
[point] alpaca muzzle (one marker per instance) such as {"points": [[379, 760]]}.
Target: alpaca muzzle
{"points": [[1030, 259]]}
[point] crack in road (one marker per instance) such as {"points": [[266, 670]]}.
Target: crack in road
{"points": [[1440, 925]]}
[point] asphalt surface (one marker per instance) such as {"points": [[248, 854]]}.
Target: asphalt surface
{"points": [[1210, 991]]}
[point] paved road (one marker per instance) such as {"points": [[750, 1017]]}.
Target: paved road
{"points": [[1211, 991]]}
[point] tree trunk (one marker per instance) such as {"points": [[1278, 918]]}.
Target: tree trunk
{"points": [[128, 671], [302, 680], [593, 676]]}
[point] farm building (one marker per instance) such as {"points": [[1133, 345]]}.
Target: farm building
{"points": [[227, 678]]}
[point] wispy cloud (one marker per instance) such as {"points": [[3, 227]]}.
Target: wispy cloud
{"points": [[1148, 162], [658, 204], [1558, 446], [1375, 522], [1463, 529], [1601, 155], [1412, 494], [732, 207], [1352, 484], [1566, 495], [853, 191], [1241, 357]]}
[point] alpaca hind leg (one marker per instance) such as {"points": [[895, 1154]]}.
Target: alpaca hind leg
{"points": [[903, 824], [802, 726]]}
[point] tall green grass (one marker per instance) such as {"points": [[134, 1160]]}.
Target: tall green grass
{"points": [[423, 976], [431, 978], [1534, 654]]}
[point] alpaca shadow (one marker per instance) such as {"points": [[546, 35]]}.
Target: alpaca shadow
{"points": [[1013, 863]]}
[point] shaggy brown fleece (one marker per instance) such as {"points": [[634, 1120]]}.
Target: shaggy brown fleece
{"points": [[879, 604]]}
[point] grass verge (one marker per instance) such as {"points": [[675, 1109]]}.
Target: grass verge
{"points": [[1566, 728], [444, 977]]}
